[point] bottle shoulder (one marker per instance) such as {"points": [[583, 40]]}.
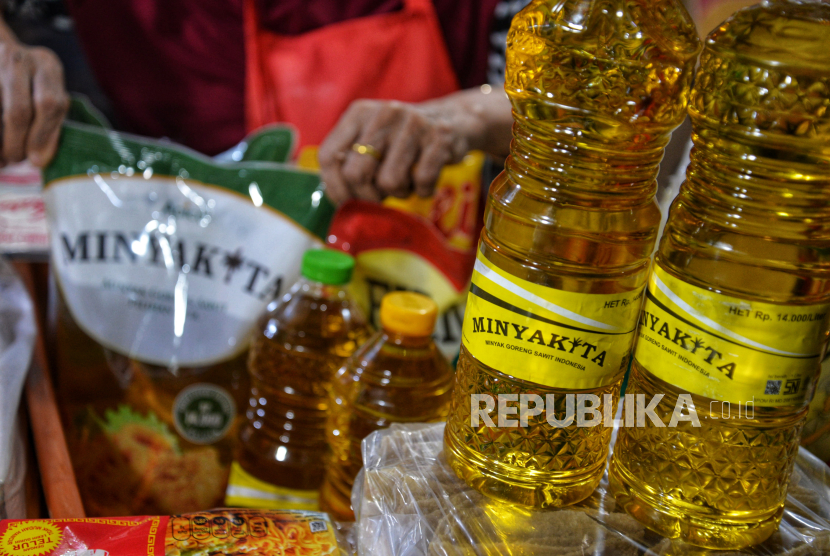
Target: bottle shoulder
{"points": [[305, 318], [381, 362], [778, 35], [621, 29], [625, 65]]}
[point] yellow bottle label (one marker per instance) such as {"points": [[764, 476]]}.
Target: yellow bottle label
{"points": [[730, 349], [548, 336], [246, 491]]}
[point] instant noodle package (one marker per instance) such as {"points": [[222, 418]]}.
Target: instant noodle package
{"points": [[229, 532]]}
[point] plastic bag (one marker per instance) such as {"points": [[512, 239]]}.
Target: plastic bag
{"points": [[231, 532], [17, 338], [163, 260], [408, 501]]}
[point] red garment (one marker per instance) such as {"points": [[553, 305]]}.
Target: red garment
{"points": [[176, 68], [466, 25], [171, 68], [309, 80]]}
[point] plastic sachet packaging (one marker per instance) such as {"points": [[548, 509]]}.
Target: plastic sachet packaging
{"points": [[426, 245], [163, 260], [230, 532], [409, 501]]}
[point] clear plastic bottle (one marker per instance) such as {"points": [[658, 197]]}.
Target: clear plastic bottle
{"points": [[399, 376], [300, 346], [737, 304], [597, 86]]}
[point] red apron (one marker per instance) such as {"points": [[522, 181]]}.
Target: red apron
{"points": [[309, 80]]}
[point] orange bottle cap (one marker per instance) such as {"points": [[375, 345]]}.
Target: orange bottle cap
{"points": [[408, 313]]}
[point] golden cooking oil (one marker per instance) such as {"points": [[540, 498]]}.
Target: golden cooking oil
{"points": [[293, 358], [398, 376], [597, 86], [736, 313]]}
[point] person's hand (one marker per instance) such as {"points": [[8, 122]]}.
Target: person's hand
{"points": [[34, 103], [386, 148]]}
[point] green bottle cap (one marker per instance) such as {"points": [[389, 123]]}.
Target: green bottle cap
{"points": [[327, 266]]}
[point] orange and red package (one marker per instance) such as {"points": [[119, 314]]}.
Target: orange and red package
{"points": [[230, 532], [426, 245]]}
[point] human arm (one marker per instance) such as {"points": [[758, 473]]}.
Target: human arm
{"points": [[413, 142], [33, 101]]}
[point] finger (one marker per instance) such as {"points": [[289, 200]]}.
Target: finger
{"points": [[394, 176], [332, 152], [15, 87], [432, 160], [51, 104], [344, 134], [331, 172], [359, 169], [336, 187]]}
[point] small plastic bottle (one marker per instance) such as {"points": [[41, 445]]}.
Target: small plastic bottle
{"points": [[399, 376], [301, 344]]}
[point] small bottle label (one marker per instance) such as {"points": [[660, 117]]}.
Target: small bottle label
{"points": [[246, 491], [548, 336], [730, 349]]}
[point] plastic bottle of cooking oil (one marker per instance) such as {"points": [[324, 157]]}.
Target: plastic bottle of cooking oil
{"points": [[597, 86], [399, 376], [300, 346], [736, 314]]}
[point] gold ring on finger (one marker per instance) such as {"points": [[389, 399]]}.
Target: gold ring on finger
{"points": [[361, 148]]}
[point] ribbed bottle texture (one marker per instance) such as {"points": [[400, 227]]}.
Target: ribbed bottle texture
{"points": [[298, 348], [741, 280], [597, 86], [398, 376]]}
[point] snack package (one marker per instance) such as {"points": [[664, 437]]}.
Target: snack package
{"points": [[426, 245], [163, 260], [409, 501], [230, 532], [22, 219]]}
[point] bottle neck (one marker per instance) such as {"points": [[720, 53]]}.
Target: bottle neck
{"points": [[760, 154], [320, 290], [751, 180], [405, 341], [557, 158]]}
